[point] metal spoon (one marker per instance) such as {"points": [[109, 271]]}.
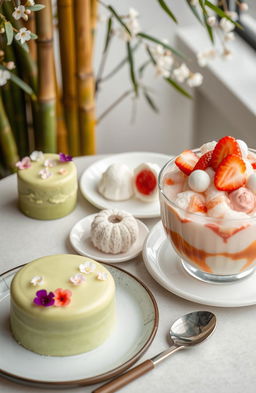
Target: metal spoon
{"points": [[188, 330]]}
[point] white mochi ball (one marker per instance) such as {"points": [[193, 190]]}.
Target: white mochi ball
{"points": [[199, 180], [243, 147], [251, 182]]}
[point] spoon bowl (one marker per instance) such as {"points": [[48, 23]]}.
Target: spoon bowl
{"points": [[192, 328]]}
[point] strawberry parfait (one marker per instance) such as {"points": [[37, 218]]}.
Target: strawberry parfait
{"points": [[208, 209]]}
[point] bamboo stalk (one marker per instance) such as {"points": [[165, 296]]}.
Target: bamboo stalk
{"points": [[46, 138], [17, 109], [7, 141], [62, 143], [31, 25], [68, 67], [94, 20], [85, 79]]}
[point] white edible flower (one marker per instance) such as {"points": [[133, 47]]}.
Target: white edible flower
{"points": [[49, 163], [77, 279], [87, 267], [212, 21], [10, 65], [45, 173], [181, 73], [4, 76], [37, 280], [62, 171], [23, 35], [195, 80], [102, 276], [20, 12], [37, 156], [226, 25]]}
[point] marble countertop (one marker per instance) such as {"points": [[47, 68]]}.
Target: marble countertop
{"points": [[224, 363]]}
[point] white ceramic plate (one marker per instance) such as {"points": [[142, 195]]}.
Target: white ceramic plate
{"points": [[165, 267], [81, 242], [137, 322], [92, 175]]}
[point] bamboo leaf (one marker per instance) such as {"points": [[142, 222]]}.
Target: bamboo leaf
{"points": [[221, 13], [205, 16], [178, 87], [33, 36], [23, 46], [131, 64], [150, 101], [195, 12], [156, 41], [167, 10], [143, 67], [36, 7], [152, 59], [19, 82], [9, 32], [121, 64], [201, 3], [108, 35], [118, 18]]}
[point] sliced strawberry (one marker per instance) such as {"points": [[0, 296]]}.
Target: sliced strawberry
{"points": [[204, 161], [226, 145], [186, 161], [253, 165], [230, 174], [146, 182]]}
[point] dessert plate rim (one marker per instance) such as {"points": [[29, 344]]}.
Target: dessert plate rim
{"points": [[79, 237], [157, 255], [91, 176], [121, 278]]}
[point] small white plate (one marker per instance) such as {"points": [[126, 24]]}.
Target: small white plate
{"points": [[164, 265], [81, 242], [90, 179], [137, 322]]}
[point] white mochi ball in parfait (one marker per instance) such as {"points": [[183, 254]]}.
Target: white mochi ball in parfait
{"points": [[199, 180], [145, 182]]}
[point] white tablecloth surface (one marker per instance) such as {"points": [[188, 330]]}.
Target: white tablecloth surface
{"points": [[224, 363]]}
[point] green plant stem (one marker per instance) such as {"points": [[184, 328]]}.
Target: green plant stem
{"points": [[114, 104], [7, 141]]}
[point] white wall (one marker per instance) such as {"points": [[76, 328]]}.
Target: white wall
{"points": [[166, 132]]}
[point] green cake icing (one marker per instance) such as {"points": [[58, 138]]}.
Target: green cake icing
{"points": [[78, 327], [49, 198]]}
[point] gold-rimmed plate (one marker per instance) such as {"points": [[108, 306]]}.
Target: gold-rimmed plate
{"points": [[137, 323]]}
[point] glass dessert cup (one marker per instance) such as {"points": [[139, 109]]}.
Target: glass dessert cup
{"points": [[216, 250]]}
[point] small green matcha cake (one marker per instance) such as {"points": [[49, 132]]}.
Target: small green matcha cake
{"points": [[62, 305], [47, 185]]}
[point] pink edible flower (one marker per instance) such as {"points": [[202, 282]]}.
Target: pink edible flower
{"points": [[25, 163], [62, 297]]}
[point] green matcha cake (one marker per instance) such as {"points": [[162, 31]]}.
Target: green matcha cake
{"points": [[62, 305], [47, 185]]}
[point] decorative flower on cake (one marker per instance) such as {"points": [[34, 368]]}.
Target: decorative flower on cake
{"points": [[62, 297], [65, 157], [37, 280], [62, 171], [77, 279], [87, 267], [44, 299], [37, 156], [102, 276], [25, 163], [50, 163], [45, 173]]}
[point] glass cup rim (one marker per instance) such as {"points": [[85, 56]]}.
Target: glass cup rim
{"points": [[195, 215]]}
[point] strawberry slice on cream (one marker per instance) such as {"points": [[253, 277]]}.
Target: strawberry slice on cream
{"points": [[145, 182]]}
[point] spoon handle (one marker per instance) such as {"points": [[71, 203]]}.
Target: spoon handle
{"points": [[127, 377]]}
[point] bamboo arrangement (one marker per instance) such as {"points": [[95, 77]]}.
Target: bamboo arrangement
{"points": [[44, 106]]}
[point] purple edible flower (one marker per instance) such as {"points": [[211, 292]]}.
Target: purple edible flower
{"points": [[65, 157], [44, 299]]}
